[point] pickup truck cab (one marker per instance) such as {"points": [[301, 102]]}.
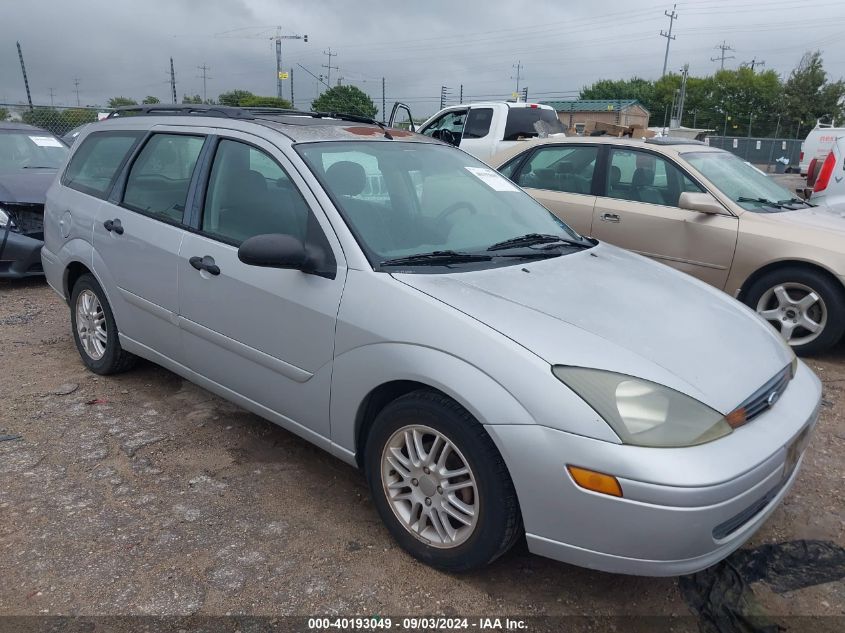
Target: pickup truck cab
{"points": [[484, 129]]}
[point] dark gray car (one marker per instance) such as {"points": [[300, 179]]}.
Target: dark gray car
{"points": [[29, 158]]}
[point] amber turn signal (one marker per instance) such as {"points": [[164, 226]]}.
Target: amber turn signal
{"points": [[737, 417], [597, 482]]}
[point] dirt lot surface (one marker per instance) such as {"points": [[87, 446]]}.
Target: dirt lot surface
{"points": [[144, 494]]}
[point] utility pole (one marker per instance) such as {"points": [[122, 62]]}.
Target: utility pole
{"points": [[172, 81], [678, 111], [444, 94], [669, 37], [525, 94], [76, 86], [290, 75], [383, 101], [724, 48], [25, 80], [329, 66], [518, 69], [51, 97], [754, 63], [279, 37], [204, 68], [461, 98]]}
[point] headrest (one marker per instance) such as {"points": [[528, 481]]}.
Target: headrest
{"points": [[346, 178], [565, 168], [615, 175], [642, 177]]}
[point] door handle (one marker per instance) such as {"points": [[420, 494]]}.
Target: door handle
{"points": [[113, 226], [205, 263], [610, 217]]}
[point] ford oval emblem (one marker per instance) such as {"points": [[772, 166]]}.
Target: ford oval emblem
{"points": [[773, 397]]}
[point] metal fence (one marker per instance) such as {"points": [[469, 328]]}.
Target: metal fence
{"points": [[761, 151], [57, 119]]}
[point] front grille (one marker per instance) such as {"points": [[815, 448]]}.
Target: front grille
{"points": [[27, 218], [766, 396]]}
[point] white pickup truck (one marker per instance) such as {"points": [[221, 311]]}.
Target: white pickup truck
{"points": [[484, 129]]}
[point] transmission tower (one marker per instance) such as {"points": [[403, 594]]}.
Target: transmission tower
{"points": [[25, 80], [669, 37], [204, 68], [724, 48], [329, 66]]}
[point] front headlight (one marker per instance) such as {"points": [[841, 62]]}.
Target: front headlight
{"points": [[644, 413], [4, 219]]}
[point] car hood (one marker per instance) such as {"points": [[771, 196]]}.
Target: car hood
{"points": [[609, 309], [822, 218], [26, 185]]}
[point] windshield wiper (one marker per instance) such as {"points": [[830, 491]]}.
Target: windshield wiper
{"points": [[771, 203], [794, 201], [37, 167], [530, 239], [437, 258]]}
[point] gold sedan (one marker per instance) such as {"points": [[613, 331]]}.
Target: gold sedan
{"points": [[703, 211]]}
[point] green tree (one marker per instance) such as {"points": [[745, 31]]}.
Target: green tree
{"points": [[808, 95], [194, 99], [117, 102], [642, 90], [59, 122], [4, 114], [233, 97], [264, 102], [749, 99], [346, 100], [150, 100]]}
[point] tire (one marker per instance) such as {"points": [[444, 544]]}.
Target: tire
{"points": [[788, 311], [107, 357], [490, 493]]}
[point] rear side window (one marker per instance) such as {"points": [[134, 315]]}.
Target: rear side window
{"points": [[530, 122], [95, 164], [478, 123], [560, 168], [161, 174]]}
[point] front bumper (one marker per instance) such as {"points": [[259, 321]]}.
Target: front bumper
{"points": [[682, 510], [21, 256]]}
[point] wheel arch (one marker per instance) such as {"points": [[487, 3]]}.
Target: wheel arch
{"points": [[73, 271], [784, 264]]}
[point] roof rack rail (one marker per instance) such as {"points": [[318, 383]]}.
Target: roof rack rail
{"points": [[230, 112]]}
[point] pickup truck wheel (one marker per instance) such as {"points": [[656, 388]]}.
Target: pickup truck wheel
{"points": [[439, 483], [94, 329], [806, 307]]}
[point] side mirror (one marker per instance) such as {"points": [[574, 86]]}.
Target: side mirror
{"points": [[701, 202], [275, 250]]}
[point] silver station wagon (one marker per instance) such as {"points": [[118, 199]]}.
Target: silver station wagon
{"points": [[398, 303]]}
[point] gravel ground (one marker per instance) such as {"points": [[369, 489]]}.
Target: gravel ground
{"points": [[144, 494]]}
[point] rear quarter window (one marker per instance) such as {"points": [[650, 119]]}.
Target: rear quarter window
{"points": [[93, 167]]}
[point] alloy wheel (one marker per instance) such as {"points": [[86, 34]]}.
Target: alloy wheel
{"points": [[797, 310], [91, 324], [430, 486]]}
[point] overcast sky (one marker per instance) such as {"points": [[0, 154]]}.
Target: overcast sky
{"points": [[123, 48]]}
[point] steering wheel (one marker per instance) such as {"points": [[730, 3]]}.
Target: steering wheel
{"points": [[462, 204], [444, 135]]}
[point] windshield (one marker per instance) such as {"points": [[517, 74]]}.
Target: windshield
{"points": [[740, 181], [531, 122], [408, 199], [30, 149]]}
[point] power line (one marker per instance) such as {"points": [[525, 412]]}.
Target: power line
{"points": [[669, 37], [724, 48]]}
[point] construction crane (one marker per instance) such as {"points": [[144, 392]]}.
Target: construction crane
{"points": [[262, 34]]}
